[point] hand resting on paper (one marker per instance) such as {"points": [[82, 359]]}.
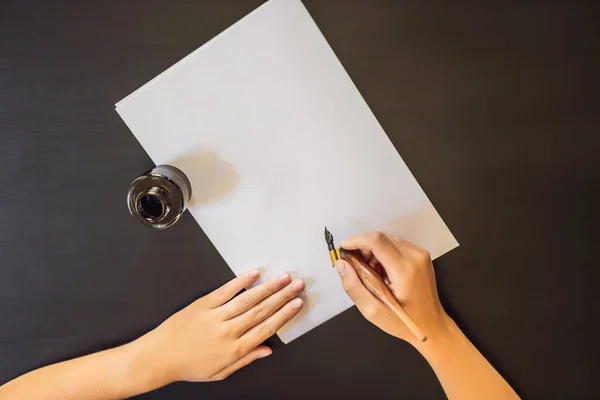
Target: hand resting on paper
{"points": [[408, 271], [206, 341]]}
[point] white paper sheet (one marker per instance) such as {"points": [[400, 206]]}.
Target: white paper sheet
{"points": [[278, 142]]}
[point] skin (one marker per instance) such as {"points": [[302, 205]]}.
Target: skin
{"points": [[219, 334], [407, 269], [206, 341]]}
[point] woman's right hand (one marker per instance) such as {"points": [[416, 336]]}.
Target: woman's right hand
{"points": [[408, 272]]}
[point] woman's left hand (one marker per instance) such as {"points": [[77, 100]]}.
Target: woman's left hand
{"points": [[219, 334]]}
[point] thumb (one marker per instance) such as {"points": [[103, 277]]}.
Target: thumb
{"points": [[355, 289], [259, 352]]}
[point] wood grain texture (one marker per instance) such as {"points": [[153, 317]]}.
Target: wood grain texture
{"points": [[494, 107]]}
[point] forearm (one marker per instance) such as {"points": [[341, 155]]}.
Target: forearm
{"points": [[112, 374], [462, 370], [208, 340]]}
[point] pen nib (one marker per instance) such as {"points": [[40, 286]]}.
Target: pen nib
{"points": [[329, 239]]}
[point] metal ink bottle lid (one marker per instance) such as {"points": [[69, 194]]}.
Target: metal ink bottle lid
{"points": [[159, 197]]}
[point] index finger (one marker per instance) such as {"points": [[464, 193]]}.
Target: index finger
{"points": [[226, 292], [406, 247], [377, 243]]}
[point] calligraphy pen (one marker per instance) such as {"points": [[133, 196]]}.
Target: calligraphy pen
{"points": [[373, 282]]}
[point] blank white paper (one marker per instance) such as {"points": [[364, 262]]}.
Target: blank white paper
{"points": [[277, 143]]}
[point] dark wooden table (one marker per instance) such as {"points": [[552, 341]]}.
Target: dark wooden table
{"points": [[493, 107]]}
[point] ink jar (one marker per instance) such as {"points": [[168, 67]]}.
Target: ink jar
{"points": [[159, 197]]}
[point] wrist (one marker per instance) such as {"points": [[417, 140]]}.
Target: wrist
{"points": [[145, 370], [444, 335]]}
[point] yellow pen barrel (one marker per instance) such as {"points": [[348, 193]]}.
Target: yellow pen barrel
{"points": [[334, 255]]}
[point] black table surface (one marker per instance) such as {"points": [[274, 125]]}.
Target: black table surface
{"points": [[494, 107]]}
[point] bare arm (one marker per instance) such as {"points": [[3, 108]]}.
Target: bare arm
{"points": [[208, 340], [112, 374], [463, 372]]}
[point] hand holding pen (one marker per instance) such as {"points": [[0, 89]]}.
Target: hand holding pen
{"points": [[406, 271]]}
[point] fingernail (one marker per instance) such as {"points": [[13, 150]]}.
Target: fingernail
{"points": [[264, 353], [283, 278], [296, 303], [253, 274], [341, 267], [297, 285]]}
